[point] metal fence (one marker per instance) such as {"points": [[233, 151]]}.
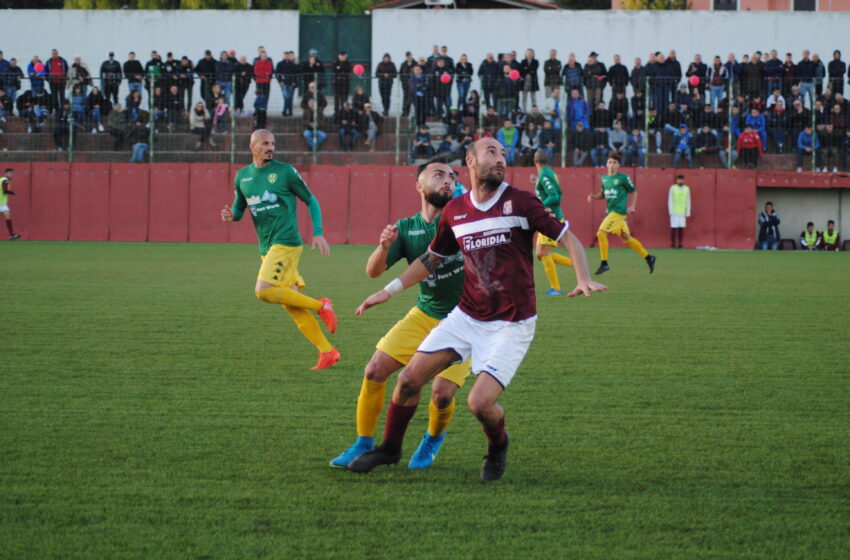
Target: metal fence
{"points": [[322, 118]]}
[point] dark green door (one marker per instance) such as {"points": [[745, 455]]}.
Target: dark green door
{"points": [[330, 34]]}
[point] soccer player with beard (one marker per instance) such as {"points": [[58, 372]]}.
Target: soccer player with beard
{"points": [[493, 227], [438, 294], [269, 189]]}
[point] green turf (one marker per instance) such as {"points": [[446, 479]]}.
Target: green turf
{"points": [[153, 408]]}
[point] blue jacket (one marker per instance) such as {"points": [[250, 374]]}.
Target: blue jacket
{"points": [[578, 111], [757, 123], [38, 81], [808, 140], [733, 70], [773, 69], [573, 77]]}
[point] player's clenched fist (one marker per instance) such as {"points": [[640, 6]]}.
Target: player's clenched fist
{"points": [[388, 236], [226, 214]]}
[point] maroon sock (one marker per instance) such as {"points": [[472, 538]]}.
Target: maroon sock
{"points": [[398, 417], [9, 226], [496, 432]]}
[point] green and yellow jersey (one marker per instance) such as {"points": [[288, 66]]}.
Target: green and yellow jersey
{"points": [[549, 191], [270, 194], [616, 189], [440, 291], [4, 198]]}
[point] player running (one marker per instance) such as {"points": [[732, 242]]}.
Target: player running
{"points": [[616, 188], [268, 188], [549, 192], [5, 191], [493, 226], [438, 294]]}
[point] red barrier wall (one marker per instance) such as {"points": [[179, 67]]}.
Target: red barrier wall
{"points": [[182, 202]]}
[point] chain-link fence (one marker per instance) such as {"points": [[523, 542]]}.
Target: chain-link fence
{"points": [[392, 119]]}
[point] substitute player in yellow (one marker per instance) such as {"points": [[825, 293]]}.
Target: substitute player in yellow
{"points": [[616, 189], [549, 192], [268, 189], [438, 294]]}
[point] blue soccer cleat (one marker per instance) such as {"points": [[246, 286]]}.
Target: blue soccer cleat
{"points": [[554, 292], [358, 448], [425, 454]]}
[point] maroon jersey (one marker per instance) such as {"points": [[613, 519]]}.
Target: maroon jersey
{"points": [[496, 241]]}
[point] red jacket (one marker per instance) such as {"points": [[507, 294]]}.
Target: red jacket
{"points": [[750, 140], [263, 71]]}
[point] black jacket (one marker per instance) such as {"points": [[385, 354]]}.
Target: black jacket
{"points": [[205, 68], [618, 76], [552, 73], [592, 75], [528, 71], [769, 226], [110, 70], [386, 72]]}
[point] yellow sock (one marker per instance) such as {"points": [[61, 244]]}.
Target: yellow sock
{"points": [[369, 405], [637, 247], [551, 272], [289, 298], [309, 327], [439, 418], [561, 259], [603, 245]]}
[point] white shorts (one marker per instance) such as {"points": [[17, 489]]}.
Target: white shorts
{"points": [[496, 347], [677, 221], [4, 207]]}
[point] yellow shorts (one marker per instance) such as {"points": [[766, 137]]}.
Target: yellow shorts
{"points": [[615, 223], [543, 240], [280, 267], [401, 342]]}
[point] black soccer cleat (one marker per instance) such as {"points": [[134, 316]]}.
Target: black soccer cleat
{"points": [[375, 458], [15, 236], [650, 260], [603, 268], [495, 462]]}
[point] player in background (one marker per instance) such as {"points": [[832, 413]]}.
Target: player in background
{"points": [[549, 192], [493, 226], [616, 189], [438, 294], [5, 191], [268, 189], [679, 208]]}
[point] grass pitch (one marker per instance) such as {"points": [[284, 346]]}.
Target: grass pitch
{"points": [[153, 408]]}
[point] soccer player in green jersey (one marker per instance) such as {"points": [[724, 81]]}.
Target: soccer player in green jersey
{"points": [[549, 192], [268, 189], [408, 239], [5, 191], [616, 189]]}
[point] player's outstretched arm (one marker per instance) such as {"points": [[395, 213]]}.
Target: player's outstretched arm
{"points": [[377, 262], [415, 273], [584, 284]]}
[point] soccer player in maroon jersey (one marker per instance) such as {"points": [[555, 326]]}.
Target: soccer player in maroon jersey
{"points": [[493, 225]]}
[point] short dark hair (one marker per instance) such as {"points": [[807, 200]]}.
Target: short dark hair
{"points": [[829, 222], [680, 176], [810, 224], [9, 169], [615, 157], [425, 165]]}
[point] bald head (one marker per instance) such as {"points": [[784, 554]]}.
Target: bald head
{"points": [[486, 161], [262, 146]]}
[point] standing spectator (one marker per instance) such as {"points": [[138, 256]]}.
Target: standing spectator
{"points": [[312, 70], [404, 72], [530, 84], [224, 70], [700, 70], [679, 209], [581, 141], [750, 147], [808, 143], [638, 77], [185, 79], [573, 75], [205, 69], [506, 92], [418, 88], [11, 80], [789, 75], [773, 73], [463, 75], [370, 125], [110, 77], [833, 140], [287, 78], [578, 111], [244, 75], [777, 121], [752, 75], [845, 149], [56, 69], [769, 228], [599, 151], [489, 73], [551, 74], [810, 239], [310, 116], [386, 73], [97, 106], [634, 149], [262, 71], [153, 71], [820, 74], [312, 94], [757, 122], [169, 71], [4, 66], [508, 137], [806, 75], [61, 125], [341, 69], [618, 76], [638, 105], [830, 237], [138, 137], [594, 79], [733, 73], [836, 70], [659, 84], [116, 126], [675, 67], [442, 90], [348, 122]]}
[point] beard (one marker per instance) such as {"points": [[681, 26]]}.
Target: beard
{"points": [[437, 199], [491, 180]]}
